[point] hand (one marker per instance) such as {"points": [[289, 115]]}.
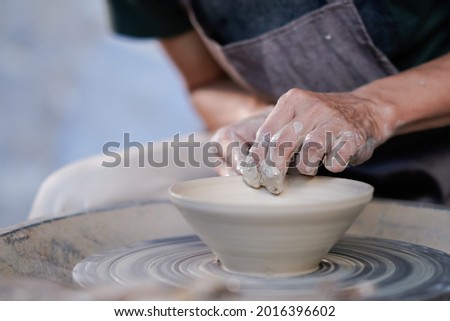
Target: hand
{"points": [[336, 129], [235, 140]]}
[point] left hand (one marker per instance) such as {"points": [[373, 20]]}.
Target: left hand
{"points": [[336, 129], [234, 141]]}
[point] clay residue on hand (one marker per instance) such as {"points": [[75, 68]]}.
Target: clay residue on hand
{"points": [[269, 176], [298, 127], [250, 173], [271, 179]]}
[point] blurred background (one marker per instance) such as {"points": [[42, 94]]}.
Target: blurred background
{"points": [[68, 85]]}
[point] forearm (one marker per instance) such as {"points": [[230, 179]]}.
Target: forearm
{"points": [[195, 64], [414, 100], [223, 102], [218, 100]]}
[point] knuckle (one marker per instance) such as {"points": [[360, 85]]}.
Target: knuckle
{"points": [[314, 141], [293, 92]]}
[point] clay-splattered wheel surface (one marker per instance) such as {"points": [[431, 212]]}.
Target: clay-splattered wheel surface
{"points": [[355, 268]]}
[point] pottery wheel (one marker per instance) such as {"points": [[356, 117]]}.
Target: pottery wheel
{"points": [[359, 268]]}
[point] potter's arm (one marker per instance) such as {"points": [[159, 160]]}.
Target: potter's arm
{"points": [[217, 99], [415, 99]]}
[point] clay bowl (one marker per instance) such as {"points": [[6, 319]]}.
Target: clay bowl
{"points": [[254, 232]]}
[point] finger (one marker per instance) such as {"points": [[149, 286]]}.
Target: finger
{"points": [[252, 166], [282, 113], [312, 152], [364, 152], [349, 148], [232, 148], [275, 121], [280, 151], [250, 172], [239, 138], [342, 150]]}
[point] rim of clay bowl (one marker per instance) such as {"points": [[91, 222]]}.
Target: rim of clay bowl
{"points": [[363, 193]]}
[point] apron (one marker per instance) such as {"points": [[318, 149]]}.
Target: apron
{"points": [[330, 50]]}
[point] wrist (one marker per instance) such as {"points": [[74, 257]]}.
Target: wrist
{"points": [[383, 108]]}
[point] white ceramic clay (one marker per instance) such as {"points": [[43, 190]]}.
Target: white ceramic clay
{"points": [[254, 232]]}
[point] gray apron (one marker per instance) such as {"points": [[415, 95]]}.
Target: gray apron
{"points": [[329, 50]]}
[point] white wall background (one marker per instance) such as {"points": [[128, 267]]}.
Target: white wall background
{"points": [[68, 85]]}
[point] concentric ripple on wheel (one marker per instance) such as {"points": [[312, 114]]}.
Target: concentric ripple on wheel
{"points": [[375, 269]]}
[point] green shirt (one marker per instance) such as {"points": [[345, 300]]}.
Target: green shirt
{"points": [[409, 32], [423, 27]]}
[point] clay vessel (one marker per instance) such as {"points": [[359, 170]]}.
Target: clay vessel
{"points": [[254, 232]]}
